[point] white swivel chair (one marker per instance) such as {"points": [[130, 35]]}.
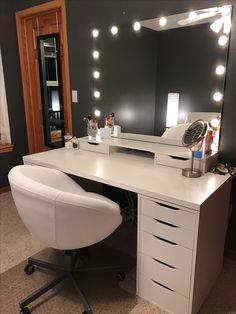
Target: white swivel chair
{"points": [[64, 216]]}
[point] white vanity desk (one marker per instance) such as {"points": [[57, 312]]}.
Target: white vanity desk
{"points": [[181, 221]]}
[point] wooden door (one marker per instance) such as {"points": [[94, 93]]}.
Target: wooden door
{"points": [[49, 18]]}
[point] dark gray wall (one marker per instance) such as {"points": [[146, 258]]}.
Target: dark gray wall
{"points": [[11, 66], [128, 78], [83, 15]]}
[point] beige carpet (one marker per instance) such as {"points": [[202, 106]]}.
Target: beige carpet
{"points": [[102, 290], [16, 243]]}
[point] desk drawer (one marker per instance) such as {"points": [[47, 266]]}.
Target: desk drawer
{"points": [[170, 214], [169, 253], [173, 278], [173, 233], [97, 147], [161, 296]]}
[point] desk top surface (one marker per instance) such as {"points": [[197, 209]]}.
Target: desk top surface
{"points": [[134, 173]]}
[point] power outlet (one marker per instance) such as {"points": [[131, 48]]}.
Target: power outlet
{"points": [[74, 96]]}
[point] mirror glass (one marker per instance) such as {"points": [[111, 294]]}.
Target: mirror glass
{"points": [[51, 89], [153, 73]]}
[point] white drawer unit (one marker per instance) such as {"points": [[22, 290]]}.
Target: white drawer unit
{"points": [[165, 254]]}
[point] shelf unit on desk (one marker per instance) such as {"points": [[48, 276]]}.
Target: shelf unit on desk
{"points": [[163, 154]]}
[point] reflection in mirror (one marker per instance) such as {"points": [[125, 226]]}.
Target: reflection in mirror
{"points": [[154, 73], [51, 89]]}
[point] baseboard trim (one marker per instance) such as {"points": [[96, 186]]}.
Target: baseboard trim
{"points": [[230, 253], [5, 189]]}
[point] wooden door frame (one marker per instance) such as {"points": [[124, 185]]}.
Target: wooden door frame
{"points": [[20, 24]]}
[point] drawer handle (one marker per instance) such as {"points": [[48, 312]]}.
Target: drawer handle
{"points": [[167, 206], [166, 223], [160, 262], [168, 241], [92, 143], [178, 158], [159, 284]]}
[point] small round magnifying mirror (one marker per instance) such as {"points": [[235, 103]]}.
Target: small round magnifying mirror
{"points": [[193, 139]]}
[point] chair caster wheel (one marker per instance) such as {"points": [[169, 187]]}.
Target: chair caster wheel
{"points": [[29, 270], [25, 310], [87, 312], [120, 275]]}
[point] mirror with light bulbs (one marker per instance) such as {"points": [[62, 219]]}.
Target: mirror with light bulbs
{"points": [[152, 73]]}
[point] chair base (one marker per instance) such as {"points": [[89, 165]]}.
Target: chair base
{"points": [[67, 272]]}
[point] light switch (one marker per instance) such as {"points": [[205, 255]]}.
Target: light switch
{"points": [[74, 96]]}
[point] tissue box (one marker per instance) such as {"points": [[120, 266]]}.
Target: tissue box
{"points": [[105, 133]]}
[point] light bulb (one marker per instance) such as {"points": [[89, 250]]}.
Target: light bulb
{"points": [[225, 9], [97, 94], [97, 113], [95, 33], [114, 30], [137, 26], [220, 69], [96, 54], [217, 96], [162, 21], [222, 41], [96, 74], [192, 16], [215, 123]]}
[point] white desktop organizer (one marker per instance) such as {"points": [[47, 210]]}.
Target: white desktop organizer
{"points": [[163, 154]]}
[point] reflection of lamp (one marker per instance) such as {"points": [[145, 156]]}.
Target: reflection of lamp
{"points": [[172, 109], [55, 100]]}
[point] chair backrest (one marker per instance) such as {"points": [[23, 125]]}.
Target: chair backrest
{"points": [[58, 211]]}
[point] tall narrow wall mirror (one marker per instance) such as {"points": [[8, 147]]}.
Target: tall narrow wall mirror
{"points": [[153, 73], [51, 89]]}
